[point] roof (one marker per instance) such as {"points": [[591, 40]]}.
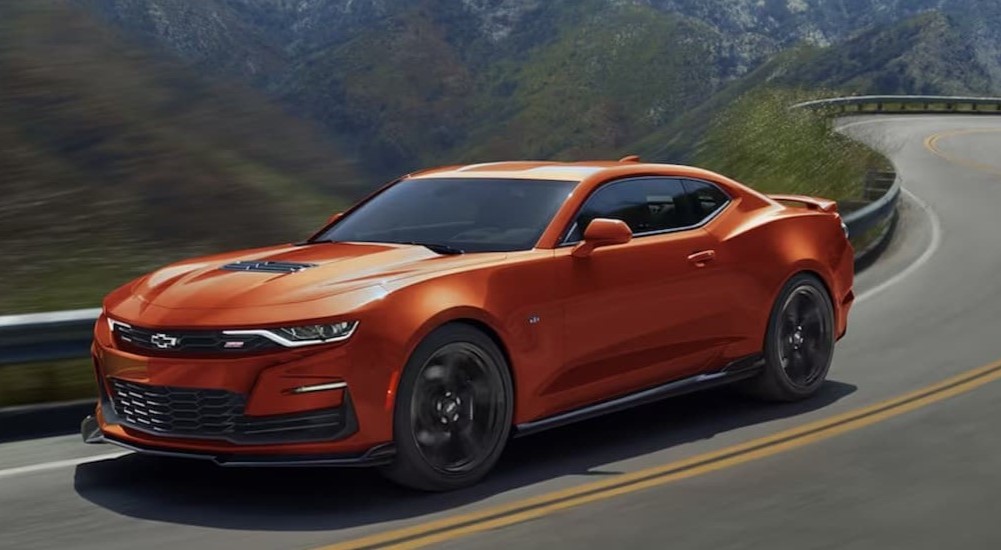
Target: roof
{"points": [[539, 170]]}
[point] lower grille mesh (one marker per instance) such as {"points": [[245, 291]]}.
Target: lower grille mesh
{"points": [[178, 410], [219, 414]]}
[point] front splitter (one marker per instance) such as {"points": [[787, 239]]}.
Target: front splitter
{"points": [[379, 455]]}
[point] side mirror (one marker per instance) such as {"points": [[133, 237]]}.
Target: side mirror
{"points": [[333, 218], [602, 232]]}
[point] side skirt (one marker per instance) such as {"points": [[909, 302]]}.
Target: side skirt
{"points": [[735, 371]]}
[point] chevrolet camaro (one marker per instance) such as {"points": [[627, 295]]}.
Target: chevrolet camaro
{"points": [[458, 307]]}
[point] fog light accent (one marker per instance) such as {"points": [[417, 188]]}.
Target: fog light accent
{"points": [[319, 387]]}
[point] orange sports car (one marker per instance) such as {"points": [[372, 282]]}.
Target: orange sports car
{"points": [[457, 307]]}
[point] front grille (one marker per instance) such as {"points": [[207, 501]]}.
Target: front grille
{"points": [[268, 266], [219, 414], [191, 342], [167, 410]]}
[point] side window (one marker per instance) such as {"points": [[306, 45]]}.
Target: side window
{"points": [[704, 199], [646, 205]]}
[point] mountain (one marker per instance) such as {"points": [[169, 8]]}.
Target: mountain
{"points": [[134, 132], [420, 100], [210, 31], [114, 160], [929, 54], [408, 83]]}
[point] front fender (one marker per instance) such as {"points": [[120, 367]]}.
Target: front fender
{"points": [[516, 302]]}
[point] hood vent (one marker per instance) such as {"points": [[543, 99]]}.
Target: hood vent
{"points": [[268, 266]]}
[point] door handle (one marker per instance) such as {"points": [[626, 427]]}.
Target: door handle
{"points": [[700, 259]]}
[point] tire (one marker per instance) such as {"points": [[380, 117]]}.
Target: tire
{"points": [[799, 342], [453, 412]]}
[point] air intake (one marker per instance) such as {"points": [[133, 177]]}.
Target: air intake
{"points": [[268, 267]]}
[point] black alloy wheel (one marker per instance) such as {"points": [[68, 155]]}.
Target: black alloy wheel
{"points": [[799, 344], [805, 335], [453, 411], [457, 408]]}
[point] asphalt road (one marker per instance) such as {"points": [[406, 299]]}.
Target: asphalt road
{"points": [[922, 475]]}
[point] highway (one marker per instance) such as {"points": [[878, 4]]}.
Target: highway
{"points": [[855, 467]]}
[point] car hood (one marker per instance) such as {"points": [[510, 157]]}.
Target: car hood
{"points": [[335, 268]]}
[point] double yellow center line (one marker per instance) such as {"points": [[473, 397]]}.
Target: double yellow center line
{"points": [[933, 141], [507, 514]]}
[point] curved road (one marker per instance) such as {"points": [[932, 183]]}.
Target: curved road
{"points": [[921, 472]]}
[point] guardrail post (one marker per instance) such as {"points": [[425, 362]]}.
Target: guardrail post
{"points": [[877, 183]]}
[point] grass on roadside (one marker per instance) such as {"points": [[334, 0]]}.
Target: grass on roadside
{"points": [[759, 141]]}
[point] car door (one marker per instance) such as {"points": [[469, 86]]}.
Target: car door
{"points": [[640, 313]]}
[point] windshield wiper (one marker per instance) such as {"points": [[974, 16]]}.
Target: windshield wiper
{"points": [[437, 248]]}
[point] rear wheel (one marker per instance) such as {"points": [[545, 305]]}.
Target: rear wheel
{"points": [[799, 344], [453, 411]]}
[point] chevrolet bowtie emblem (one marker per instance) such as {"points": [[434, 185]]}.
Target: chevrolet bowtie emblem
{"points": [[163, 341]]}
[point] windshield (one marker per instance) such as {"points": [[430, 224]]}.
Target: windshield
{"points": [[469, 215]]}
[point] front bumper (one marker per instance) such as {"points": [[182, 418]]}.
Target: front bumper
{"points": [[246, 409]]}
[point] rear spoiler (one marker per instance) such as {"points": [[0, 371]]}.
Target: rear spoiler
{"points": [[811, 203]]}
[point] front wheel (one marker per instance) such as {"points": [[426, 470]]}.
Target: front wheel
{"points": [[799, 343], [453, 412]]}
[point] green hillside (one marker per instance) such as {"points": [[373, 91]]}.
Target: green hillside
{"points": [[608, 78], [678, 140], [113, 161], [400, 90], [414, 93]]}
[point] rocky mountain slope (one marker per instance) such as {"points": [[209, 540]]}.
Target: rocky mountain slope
{"points": [[414, 82]]}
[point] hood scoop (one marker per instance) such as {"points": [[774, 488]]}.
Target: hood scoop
{"points": [[267, 266]]}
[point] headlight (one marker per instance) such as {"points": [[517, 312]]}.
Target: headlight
{"points": [[305, 335], [321, 333], [844, 228]]}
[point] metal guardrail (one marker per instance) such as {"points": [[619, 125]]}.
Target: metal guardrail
{"points": [[46, 336], [885, 186], [913, 104], [67, 334]]}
